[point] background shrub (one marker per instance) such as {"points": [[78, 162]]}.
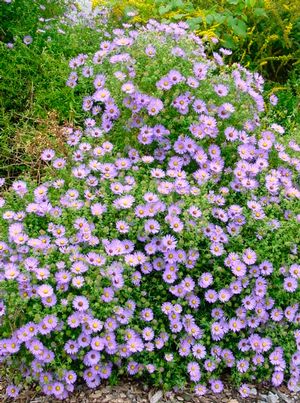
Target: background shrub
{"points": [[264, 34], [33, 75]]}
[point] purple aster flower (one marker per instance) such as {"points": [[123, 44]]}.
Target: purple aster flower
{"points": [[150, 51], [200, 70], [169, 242], [164, 83], [12, 391], [58, 389], [277, 314], [211, 296], [244, 390], [235, 324], [217, 249], [48, 155], [184, 349], [217, 331], [258, 359], [175, 326], [152, 226], [87, 71], [27, 39], [294, 271], [20, 187], [199, 351], [169, 276], [45, 291], [276, 358], [277, 378], [249, 256], [83, 340], [108, 294], [175, 77], [239, 268], [136, 278], [290, 284], [59, 163], [200, 390], [206, 279], [224, 295], [124, 202], [97, 209], [242, 365], [71, 347], [216, 386], [273, 99], [154, 106], [70, 377], [132, 368], [177, 51], [95, 325], [193, 369], [148, 333], [80, 303], [193, 301], [221, 90]]}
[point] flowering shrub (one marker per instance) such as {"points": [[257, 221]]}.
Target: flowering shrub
{"points": [[164, 245]]}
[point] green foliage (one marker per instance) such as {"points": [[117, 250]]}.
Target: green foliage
{"points": [[21, 17], [264, 34], [33, 76], [286, 112]]}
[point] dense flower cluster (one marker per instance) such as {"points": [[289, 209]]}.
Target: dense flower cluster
{"points": [[164, 244]]}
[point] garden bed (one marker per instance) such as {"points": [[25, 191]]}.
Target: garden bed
{"points": [[154, 235]]}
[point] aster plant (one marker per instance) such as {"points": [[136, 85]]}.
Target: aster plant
{"points": [[164, 244]]}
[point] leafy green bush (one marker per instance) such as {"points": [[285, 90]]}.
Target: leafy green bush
{"points": [[21, 18], [175, 260], [33, 74], [264, 34], [287, 109]]}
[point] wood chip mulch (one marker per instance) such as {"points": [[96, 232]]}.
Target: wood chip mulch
{"points": [[129, 391]]}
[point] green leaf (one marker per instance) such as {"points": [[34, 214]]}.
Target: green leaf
{"points": [[260, 12], [210, 18], [164, 9], [233, 2], [194, 22], [231, 21], [219, 18], [240, 28], [228, 42], [177, 4]]}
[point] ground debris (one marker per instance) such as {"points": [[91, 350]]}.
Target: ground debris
{"points": [[129, 391]]}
